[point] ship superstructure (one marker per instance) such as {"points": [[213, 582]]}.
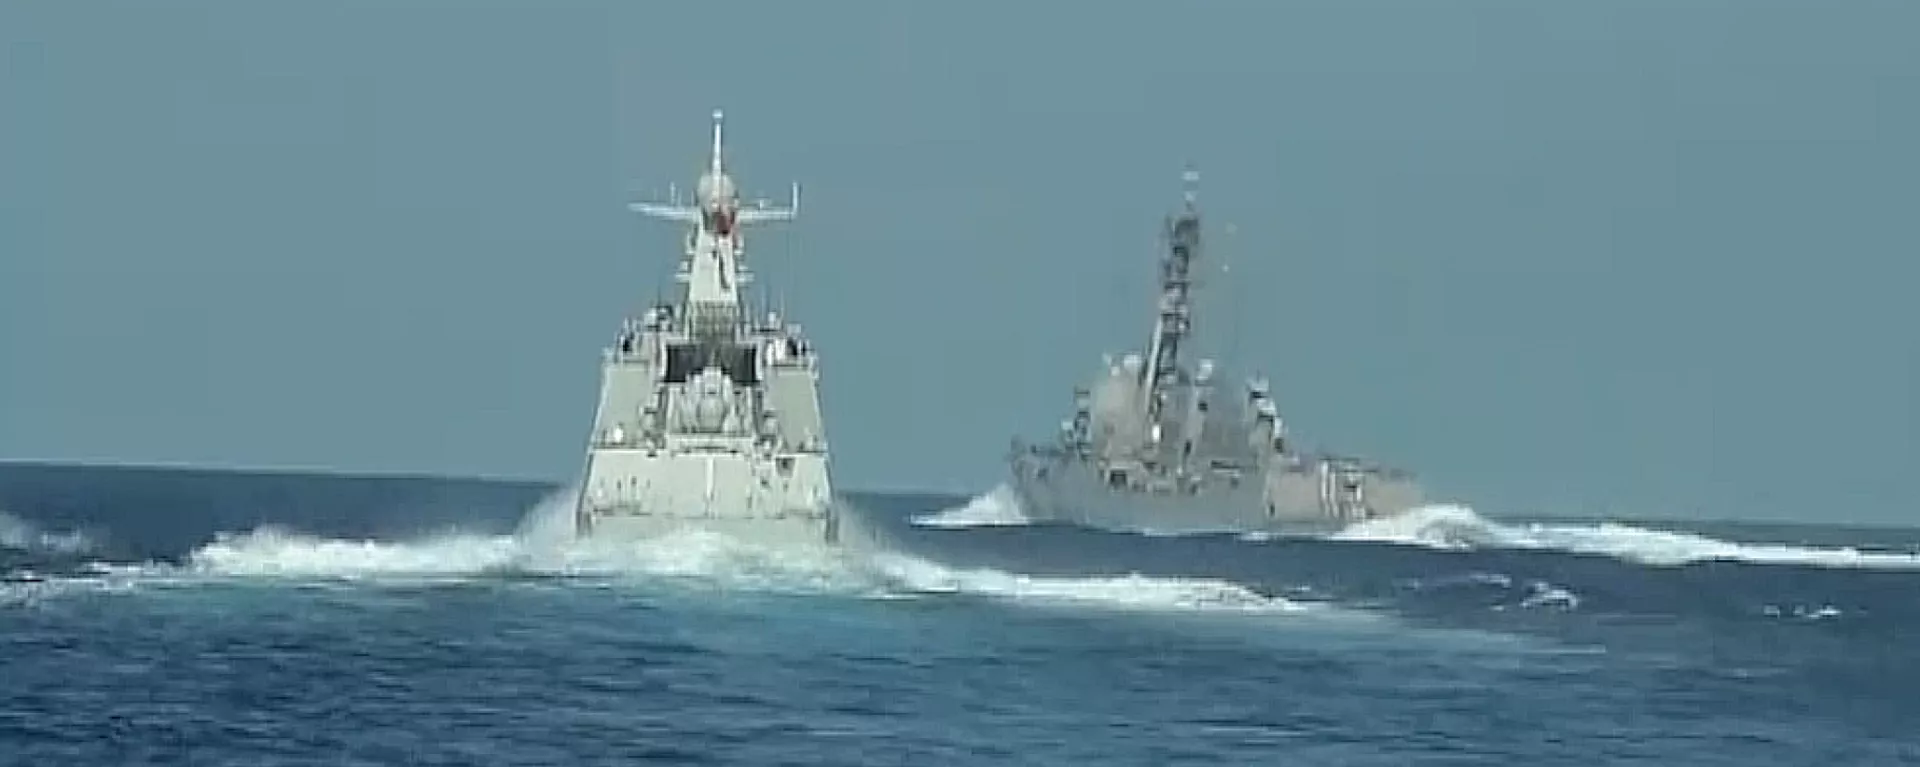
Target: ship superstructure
{"points": [[1154, 445], [709, 414]]}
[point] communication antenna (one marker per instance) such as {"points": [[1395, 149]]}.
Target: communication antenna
{"points": [[786, 257], [766, 294], [1232, 291]]}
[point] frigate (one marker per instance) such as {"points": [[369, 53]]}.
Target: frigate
{"points": [[1154, 446], [709, 414]]}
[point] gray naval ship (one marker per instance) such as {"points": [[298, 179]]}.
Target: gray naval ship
{"points": [[709, 414], [1155, 446]]}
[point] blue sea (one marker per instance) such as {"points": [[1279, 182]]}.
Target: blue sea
{"points": [[157, 616]]}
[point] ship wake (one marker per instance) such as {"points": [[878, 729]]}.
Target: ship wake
{"points": [[1458, 527], [21, 535], [1449, 526], [543, 548], [996, 508]]}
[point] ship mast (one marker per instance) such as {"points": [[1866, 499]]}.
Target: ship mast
{"points": [[711, 268], [1173, 324]]}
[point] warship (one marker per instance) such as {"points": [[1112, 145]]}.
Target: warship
{"points": [[1154, 447], [709, 412]]}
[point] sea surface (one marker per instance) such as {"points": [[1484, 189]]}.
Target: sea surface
{"points": [[153, 616]]}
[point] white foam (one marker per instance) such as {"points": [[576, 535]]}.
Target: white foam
{"points": [[543, 545], [1544, 594], [1458, 527], [1803, 612], [997, 507], [1132, 591], [274, 551], [25, 589], [19, 534]]}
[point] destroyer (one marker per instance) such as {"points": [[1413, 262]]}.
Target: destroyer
{"points": [[708, 418], [1152, 447]]}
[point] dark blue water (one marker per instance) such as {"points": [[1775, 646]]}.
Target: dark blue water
{"points": [[164, 617]]}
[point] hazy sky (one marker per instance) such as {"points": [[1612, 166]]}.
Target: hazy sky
{"points": [[1637, 258]]}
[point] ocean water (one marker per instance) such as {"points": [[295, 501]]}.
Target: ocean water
{"points": [[174, 617]]}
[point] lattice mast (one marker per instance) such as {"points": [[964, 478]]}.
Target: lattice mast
{"points": [[1174, 323]]}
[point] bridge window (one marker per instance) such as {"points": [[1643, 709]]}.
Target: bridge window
{"points": [[739, 363]]}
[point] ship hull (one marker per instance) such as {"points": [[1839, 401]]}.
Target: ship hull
{"points": [[770, 500], [1286, 502], [800, 529]]}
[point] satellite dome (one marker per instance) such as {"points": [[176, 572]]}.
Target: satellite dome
{"points": [[715, 187]]}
